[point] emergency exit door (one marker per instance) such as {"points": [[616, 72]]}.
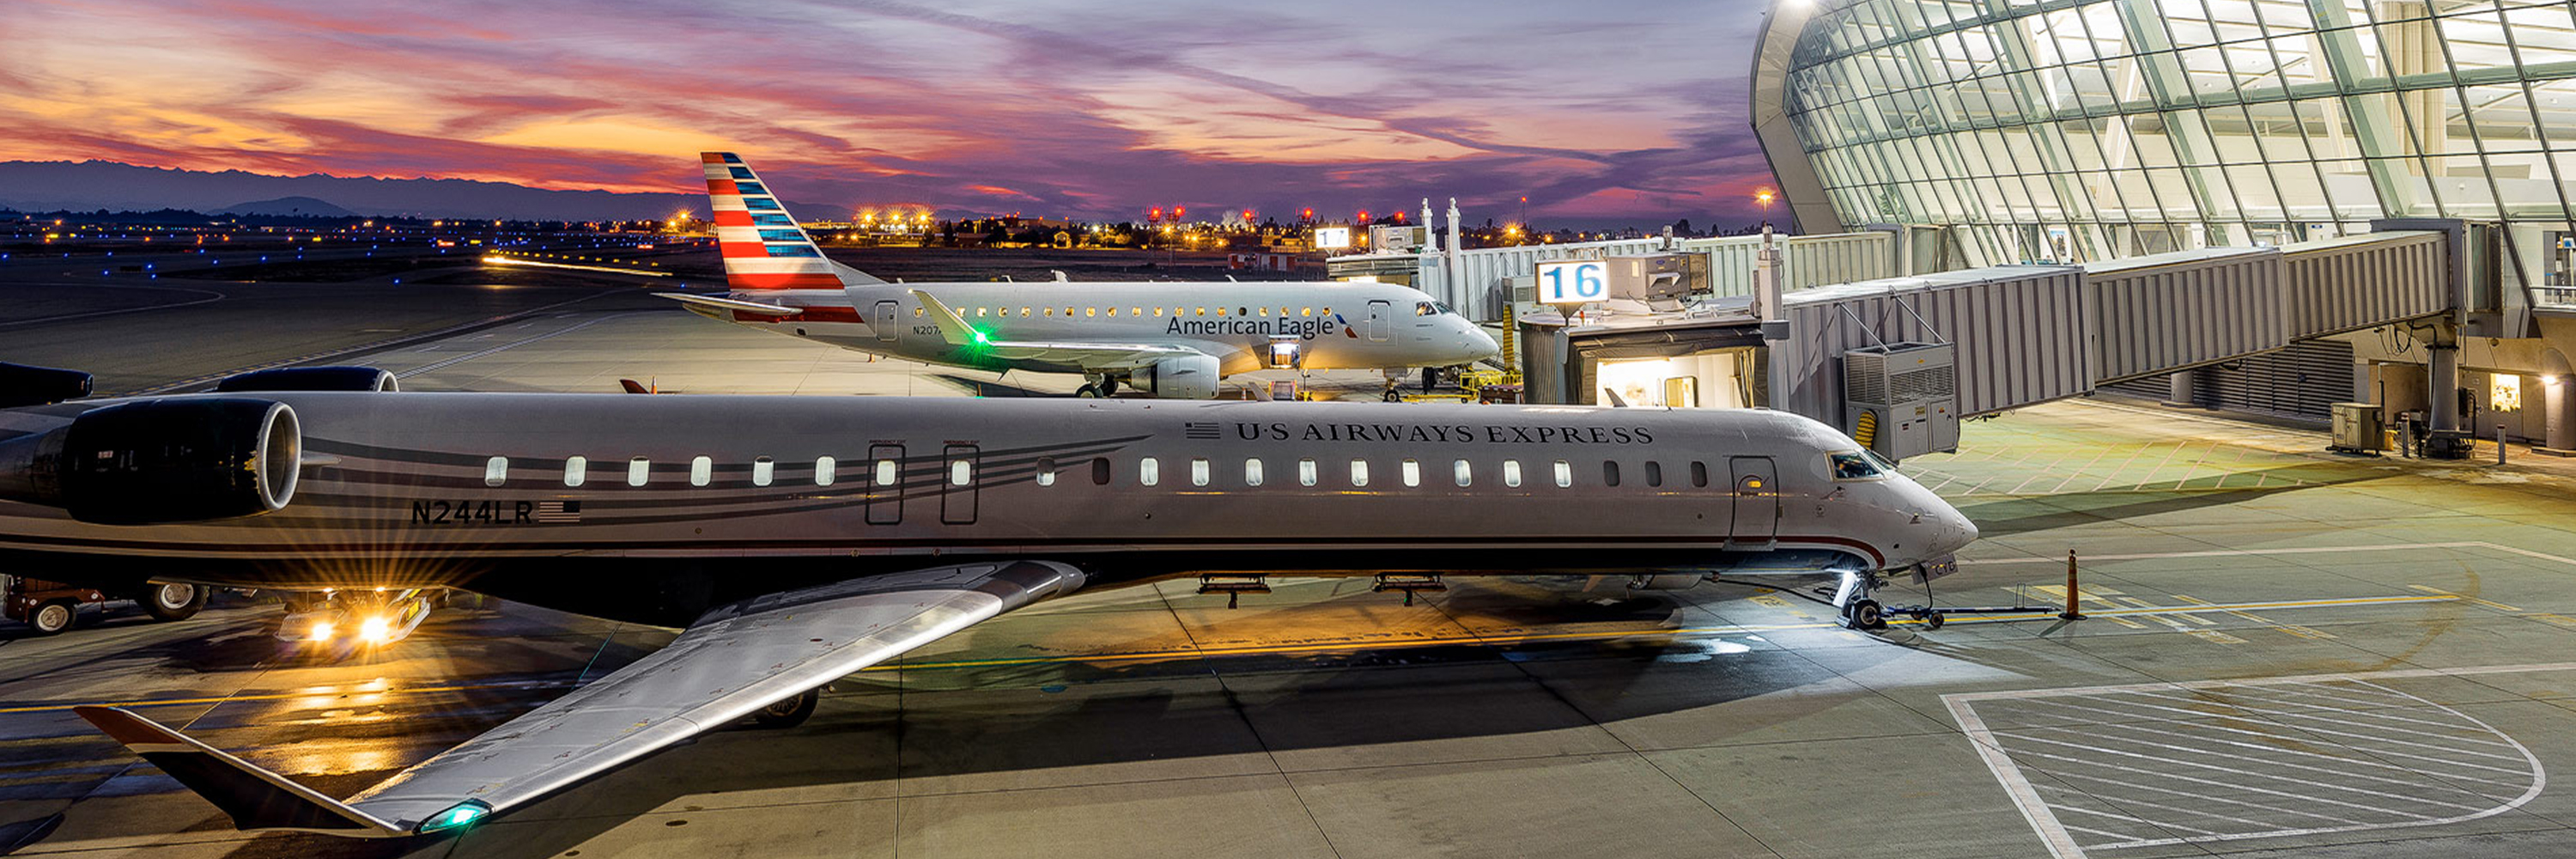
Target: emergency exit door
{"points": [[1376, 328], [884, 322], [959, 478], [1757, 502], [885, 484]]}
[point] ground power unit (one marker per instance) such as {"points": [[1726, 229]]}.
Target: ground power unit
{"points": [[1902, 399]]}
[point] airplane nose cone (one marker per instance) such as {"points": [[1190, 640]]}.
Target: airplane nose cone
{"points": [[1956, 531], [1480, 345]]}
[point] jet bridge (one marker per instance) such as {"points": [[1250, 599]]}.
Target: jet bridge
{"points": [[2022, 335]]}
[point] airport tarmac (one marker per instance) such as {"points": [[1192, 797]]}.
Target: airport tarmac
{"points": [[2288, 653]]}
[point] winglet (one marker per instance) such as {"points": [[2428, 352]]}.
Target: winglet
{"points": [[952, 327], [255, 798]]}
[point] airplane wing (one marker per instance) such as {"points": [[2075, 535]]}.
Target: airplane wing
{"points": [[713, 302], [1084, 353], [731, 663]]}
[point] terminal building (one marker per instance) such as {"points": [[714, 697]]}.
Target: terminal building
{"points": [[2262, 207]]}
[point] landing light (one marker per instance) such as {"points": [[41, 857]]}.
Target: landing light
{"points": [[375, 630], [321, 631]]}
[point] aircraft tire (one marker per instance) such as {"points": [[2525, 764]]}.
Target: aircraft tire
{"points": [[173, 601], [1108, 385], [1086, 391], [789, 712], [53, 617], [1865, 614]]}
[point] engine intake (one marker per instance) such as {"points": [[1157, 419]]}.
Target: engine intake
{"points": [[159, 461], [310, 379], [23, 385], [1186, 377]]}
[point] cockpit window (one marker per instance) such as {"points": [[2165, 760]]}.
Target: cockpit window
{"points": [[1852, 466], [1883, 463], [1432, 308]]}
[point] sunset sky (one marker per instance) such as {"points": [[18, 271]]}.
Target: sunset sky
{"points": [[1600, 113]]}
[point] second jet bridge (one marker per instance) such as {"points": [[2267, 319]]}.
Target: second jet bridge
{"points": [[2028, 334]]}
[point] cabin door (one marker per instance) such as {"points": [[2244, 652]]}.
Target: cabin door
{"points": [[885, 322], [1757, 502], [1376, 328], [959, 478]]}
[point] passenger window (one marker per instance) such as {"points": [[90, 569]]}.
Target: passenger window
{"points": [[1158, 311], [1412, 473], [576, 470], [1852, 466], [1138, 311], [1113, 313], [1359, 472], [1609, 473], [762, 469], [885, 476], [496, 471], [1564, 474], [1202, 311], [827, 469], [1252, 472], [1512, 473], [701, 471], [638, 470], [1024, 313], [1699, 475], [1089, 312], [1305, 472], [1100, 471], [1306, 311], [960, 472], [1149, 471], [1198, 471], [1046, 472], [1654, 473], [1464, 473]]}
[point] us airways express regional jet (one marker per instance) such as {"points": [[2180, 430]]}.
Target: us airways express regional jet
{"points": [[1173, 340], [796, 540]]}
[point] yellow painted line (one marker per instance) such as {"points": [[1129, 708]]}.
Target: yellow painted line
{"points": [[282, 696], [2116, 615], [2467, 599]]}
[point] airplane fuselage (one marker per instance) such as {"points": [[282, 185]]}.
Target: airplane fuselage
{"points": [[655, 508], [1332, 326]]}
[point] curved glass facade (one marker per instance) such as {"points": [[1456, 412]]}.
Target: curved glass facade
{"points": [[2078, 130]]}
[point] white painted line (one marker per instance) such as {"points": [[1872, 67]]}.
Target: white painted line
{"points": [[2191, 715], [2256, 774], [2274, 749], [2058, 837], [2033, 809]]}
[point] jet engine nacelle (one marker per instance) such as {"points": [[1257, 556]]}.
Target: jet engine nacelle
{"points": [[310, 379], [22, 385], [1186, 377], [156, 461]]}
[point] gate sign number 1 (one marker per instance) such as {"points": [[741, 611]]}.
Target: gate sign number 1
{"points": [[1572, 282]]}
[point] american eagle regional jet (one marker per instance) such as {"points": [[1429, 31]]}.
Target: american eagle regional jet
{"points": [[1173, 340], [796, 540]]}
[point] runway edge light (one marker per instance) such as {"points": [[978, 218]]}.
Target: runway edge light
{"points": [[458, 816]]}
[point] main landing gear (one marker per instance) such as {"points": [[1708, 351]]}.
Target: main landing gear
{"points": [[789, 712], [1101, 386]]}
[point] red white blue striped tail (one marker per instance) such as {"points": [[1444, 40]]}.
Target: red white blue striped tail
{"points": [[762, 245]]}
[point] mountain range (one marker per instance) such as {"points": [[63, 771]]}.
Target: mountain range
{"points": [[44, 186]]}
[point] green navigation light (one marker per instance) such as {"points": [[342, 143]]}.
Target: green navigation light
{"points": [[463, 814]]}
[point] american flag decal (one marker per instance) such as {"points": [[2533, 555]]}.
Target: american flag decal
{"points": [[1196, 430], [558, 512]]}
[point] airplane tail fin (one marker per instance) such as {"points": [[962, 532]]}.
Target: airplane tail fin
{"points": [[255, 798], [763, 246]]}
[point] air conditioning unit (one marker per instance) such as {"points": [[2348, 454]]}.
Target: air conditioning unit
{"points": [[2357, 429], [1902, 399]]}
